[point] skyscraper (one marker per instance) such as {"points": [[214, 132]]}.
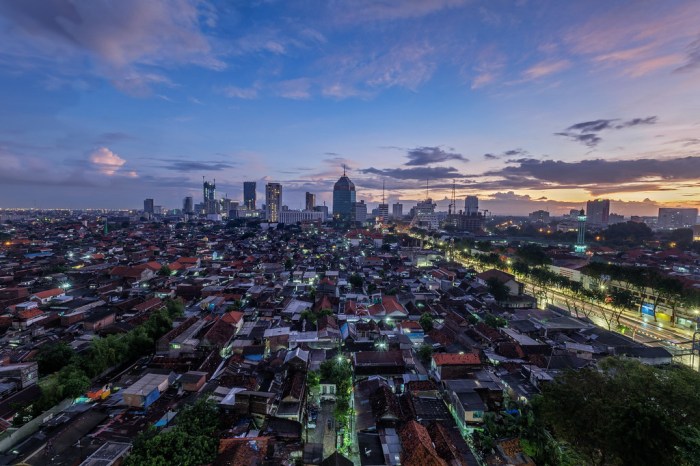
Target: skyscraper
{"points": [[310, 201], [677, 218], [344, 199], [580, 245], [249, 188], [273, 201], [471, 205], [209, 191], [188, 205], [598, 212], [148, 206], [360, 211], [397, 210]]}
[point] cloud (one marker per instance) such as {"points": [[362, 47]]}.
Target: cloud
{"points": [[427, 155], [106, 161], [246, 93], [545, 68], [200, 165], [422, 173], [350, 11], [693, 58], [120, 38], [587, 132], [508, 153], [598, 175], [295, 89]]}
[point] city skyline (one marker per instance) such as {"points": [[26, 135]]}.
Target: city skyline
{"points": [[528, 106]]}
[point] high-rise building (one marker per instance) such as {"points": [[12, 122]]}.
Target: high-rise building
{"points": [[677, 218], [310, 201], [360, 212], [580, 245], [209, 191], [383, 212], [188, 205], [397, 210], [598, 213], [471, 205], [540, 216], [249, 195], [324, 210], [273, 201], [344, 199], [148, 206]]}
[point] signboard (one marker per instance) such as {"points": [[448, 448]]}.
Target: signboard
{"points": [[648, 309]]}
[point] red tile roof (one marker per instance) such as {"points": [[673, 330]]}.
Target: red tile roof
{"points": [[447, 359], [417, 446]]}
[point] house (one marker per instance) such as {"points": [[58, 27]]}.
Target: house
{"points": [[43, 297], [466, 402], [418, 449], [193, 381], [455, 366], [514, 288], [99, 319], [368, 363]]}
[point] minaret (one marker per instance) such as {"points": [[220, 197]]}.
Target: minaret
{"points": [[580, 245]]}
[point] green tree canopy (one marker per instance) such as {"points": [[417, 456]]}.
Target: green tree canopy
{"points": [[426, 321], [626, 413], [54, 357]]}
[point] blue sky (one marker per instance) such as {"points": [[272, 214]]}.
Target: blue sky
{"points": [[528, 104]]}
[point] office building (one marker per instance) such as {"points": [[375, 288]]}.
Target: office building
{"points": [[580, 245], [310, 201], [397, 210], [188, 205], [298, 216], [471, 205], [344, 199], [383, 212], [249, 195], [273, 201], [423, 215], [323, 209], [209, 194], [598, 213], [360, 212], [539, 216], [148, 206], [670, 218]]}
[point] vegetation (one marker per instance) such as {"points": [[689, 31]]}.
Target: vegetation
{"points": [[72, 376], [192, 441], [425, 352], [426, 321], [53, 357], [627, 234], [164, 271], [356, 281], [626, 413], [498, 289], [339, 372]]}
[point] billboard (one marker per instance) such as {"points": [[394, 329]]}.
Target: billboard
{"points": [[648, 309]]}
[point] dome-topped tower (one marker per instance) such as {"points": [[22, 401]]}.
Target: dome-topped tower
{"points": [[344, 198]]}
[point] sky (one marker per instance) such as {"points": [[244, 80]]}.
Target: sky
{"points": [[527, 104]]}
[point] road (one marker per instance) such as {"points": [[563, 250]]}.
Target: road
{"points": [[645, 330]]}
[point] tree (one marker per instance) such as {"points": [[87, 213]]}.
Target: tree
{"points": [[191, 442], [54, 357], [625, 413], [288, 264], [533, 254], [355, 280], [425, 352], [628, 233], [426, 321], [498, 289], [164, 271]]}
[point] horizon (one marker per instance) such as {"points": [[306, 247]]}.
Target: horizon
{"points": [[528, 106]]}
